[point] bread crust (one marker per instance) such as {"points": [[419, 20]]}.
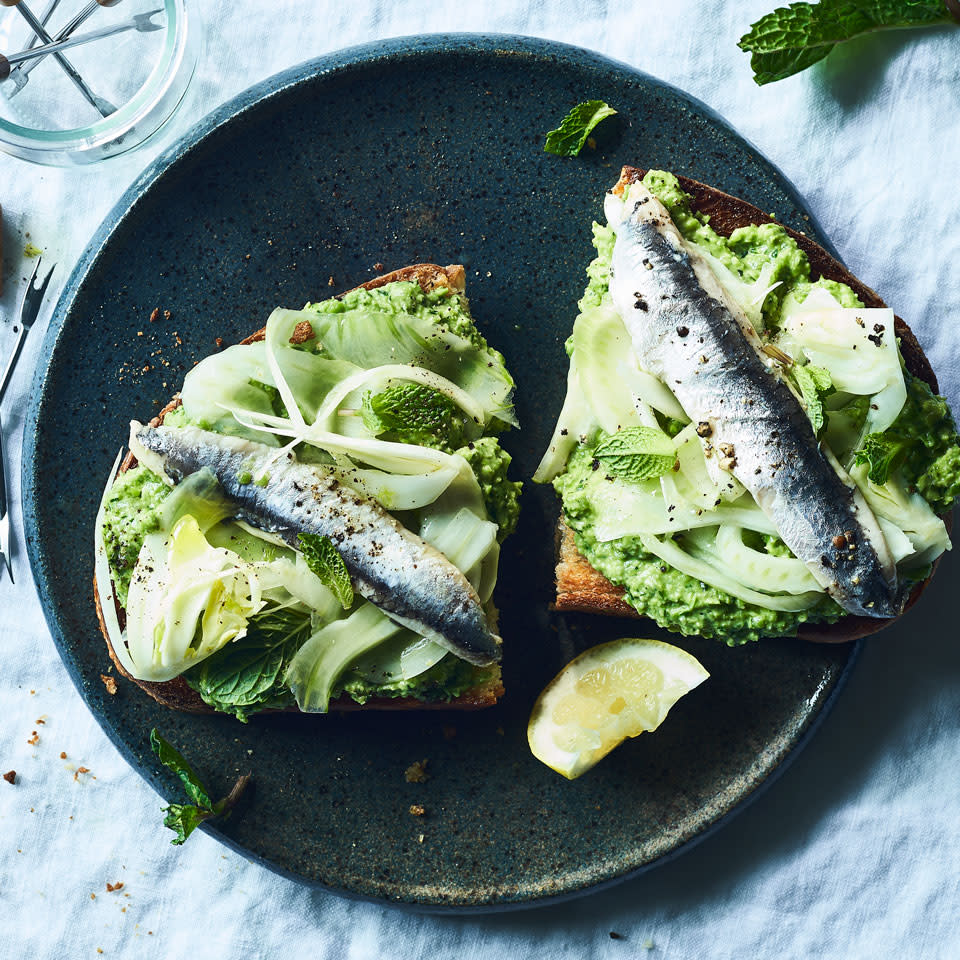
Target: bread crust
{"points": [[581, 588], [177, 693]]}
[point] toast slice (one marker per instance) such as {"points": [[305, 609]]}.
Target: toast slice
{"points": [[579, 587], [179, 695]]}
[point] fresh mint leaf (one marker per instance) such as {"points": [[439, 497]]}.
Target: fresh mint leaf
{"points": [[415, 413], [184, 818], [880, 453], [173, 760], [325, 561], [636, 453], [568, 139], [792, 38], [814, 384], [246, 676]]}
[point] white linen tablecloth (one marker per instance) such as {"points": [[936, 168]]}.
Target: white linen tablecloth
{"points": [[853, 853]]}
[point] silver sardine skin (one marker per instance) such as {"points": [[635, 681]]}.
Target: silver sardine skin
{"points": [[754, 424], [389, 565]]}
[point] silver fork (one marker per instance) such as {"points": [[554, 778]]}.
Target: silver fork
{"points": [[29, 310], [4, 513]]}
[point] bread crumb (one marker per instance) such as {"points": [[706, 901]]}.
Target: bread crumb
{"points": [[302, 332], [110, 683], [154, 314], [330, 282], [63, 754], [35, 739], [420, 837], [417, 772], [42, 719], [378, 267], [219, 341], [99, 949], [167, 314], [10, 776], [93, 896], [647, 944], [114, 886], [80, 770], [616, 936], [417, 810]]}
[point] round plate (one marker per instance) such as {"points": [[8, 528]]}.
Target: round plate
{"points": [[426, 149]]}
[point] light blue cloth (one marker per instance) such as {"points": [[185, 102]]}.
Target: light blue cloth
{"points": [[853, 853]]}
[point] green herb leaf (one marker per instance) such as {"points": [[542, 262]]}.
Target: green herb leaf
{"points": [[568, 139], [880, 452], [184, 818], [246, 676], [814, 383], [325, 561], [415, 413], [922, 443], [792, 38], [636, 453], [173, 760]]}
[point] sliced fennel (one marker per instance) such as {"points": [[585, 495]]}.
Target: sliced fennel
{"points": [[613, 385], [755, 569], [383, 376], [575, 423], [187, 599], [369, 339], [700, 569], [857, 345], [318, 664]]}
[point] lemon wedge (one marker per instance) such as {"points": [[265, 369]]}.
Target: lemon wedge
{"points": [[612, 691]]}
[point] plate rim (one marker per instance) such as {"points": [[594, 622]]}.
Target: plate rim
{"points": [[360, 56]]}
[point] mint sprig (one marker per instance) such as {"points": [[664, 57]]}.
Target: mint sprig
{"points": [[792, 38], [568, 139], [636, 454], [325, 561], [814, 384], [184, 818]]}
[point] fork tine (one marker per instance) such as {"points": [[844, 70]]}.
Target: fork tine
{"points": [[33, 297]]}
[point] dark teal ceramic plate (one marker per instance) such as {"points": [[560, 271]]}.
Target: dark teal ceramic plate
{"points": [[393, 153]]}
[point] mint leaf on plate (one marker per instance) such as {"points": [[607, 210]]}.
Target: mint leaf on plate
{"points": [[325, 561], [184, 818], [792, 38], [568, 139], [636, 453]]}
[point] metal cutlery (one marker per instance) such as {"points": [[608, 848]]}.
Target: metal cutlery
{"points": [[141, 23], [22, 73], [29, 310], [4, 513], [102, 106]]}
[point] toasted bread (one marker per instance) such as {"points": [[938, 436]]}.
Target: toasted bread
{"points": [[179, 695], [579, 586]]}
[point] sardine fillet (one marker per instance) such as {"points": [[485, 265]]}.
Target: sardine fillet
{"points": [[755, 425], [389, 565]]}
